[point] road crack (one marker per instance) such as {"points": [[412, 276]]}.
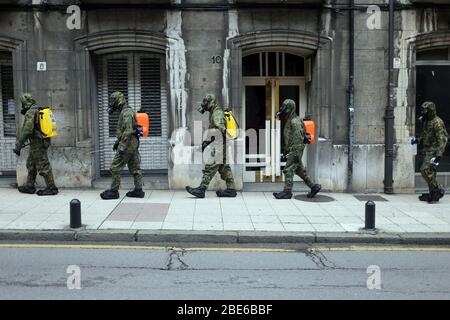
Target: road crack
{"points": [[320, 260], [175, 261]]}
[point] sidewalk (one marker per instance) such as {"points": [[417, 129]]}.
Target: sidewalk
{"points": [[177, 212]]}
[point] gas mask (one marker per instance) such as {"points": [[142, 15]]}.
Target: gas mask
{"points": [[27, 101], [111, 107], [203, 107], [24, 110], [423, 114], [282, 112], [116, 102]]}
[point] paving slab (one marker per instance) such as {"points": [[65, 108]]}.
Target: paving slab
{"points": [[252, 216]]}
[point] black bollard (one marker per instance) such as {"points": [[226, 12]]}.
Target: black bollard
{"points": [[370, 215], [75, 213]]}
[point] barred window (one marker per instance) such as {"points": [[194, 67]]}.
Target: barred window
{"points": [[273, 64], [8, 113], [140, 77]]}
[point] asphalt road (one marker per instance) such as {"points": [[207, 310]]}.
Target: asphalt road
{"points": [[110, 272]]}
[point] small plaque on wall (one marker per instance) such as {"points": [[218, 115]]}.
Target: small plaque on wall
{"points": [[42, 66]]}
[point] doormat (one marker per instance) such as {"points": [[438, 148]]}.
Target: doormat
{"points": [[140, 212], [317, 198], [366, 197]]}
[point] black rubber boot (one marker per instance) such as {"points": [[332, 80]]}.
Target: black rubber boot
{"points": [[283, 195], [435, 195], [136, 193], [27, 189], [441, 193], [314, 190], [109, 194], [48, 191], [227, 193], [424, 197], [198, 192]]}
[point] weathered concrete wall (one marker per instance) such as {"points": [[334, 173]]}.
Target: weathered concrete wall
{"points": [[199, 36]]}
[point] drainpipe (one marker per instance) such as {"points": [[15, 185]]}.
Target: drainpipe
{"points": [[351, 89], [389, 115]]}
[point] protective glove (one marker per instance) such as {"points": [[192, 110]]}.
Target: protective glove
{"points": [[435, 160], [16, 150], [116, 145], [414, 140], [139, 132], [307, 139], [121, 149]]}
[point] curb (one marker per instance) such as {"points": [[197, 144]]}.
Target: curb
{"points": [[226, 237]]}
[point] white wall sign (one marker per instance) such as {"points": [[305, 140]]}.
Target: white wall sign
{"points": [[42, 66], [397, 63]]}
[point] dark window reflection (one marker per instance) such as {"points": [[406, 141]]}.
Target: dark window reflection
{"points": [[433, 85], [250, 65]]}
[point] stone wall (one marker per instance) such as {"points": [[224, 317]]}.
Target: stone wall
{"points": [[194, 39]]}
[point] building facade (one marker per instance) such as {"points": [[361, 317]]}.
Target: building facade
{"points": [[166, 55]]}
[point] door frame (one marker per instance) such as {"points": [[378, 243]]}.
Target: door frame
{"points": [[261, 81]]}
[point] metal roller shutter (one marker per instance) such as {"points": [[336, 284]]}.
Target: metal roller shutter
{"points": [[140, 77], [7, 114]]}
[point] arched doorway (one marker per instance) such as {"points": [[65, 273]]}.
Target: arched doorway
{"points": [[268, 78], [432, 78]]}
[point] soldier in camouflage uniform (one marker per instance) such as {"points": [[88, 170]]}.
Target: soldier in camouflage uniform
{"points": [[37, 161], [126, 147], [218, 151], [434, 140], [294, 140]]}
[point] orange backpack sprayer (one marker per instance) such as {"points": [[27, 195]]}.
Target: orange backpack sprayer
{"points": [[310, 130], [143, 124]]}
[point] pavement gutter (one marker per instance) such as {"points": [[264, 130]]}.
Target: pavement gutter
{"points": [[226, 237]]}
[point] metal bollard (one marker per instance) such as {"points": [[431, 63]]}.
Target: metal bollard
{"points": [[75, 213], [370, 215]]}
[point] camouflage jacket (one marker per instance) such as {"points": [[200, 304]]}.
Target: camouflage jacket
{"points": [[217, 119], [30, 129], [434, 135], [294, 133], [126, 128]]}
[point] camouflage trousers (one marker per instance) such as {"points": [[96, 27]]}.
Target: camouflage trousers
{"points": [[217, 152], [295, 165], [133, 160], [429, 172], [38, 162]]}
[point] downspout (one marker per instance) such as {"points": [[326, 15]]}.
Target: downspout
{"points": [[351, 89], [389, 115]]}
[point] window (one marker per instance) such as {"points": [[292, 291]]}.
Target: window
{"points": [[7, 115], [139, 76], [7, 95], [273, 64], [432, 85]]}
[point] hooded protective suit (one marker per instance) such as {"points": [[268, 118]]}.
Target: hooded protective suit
{"points": [[37, 161], [294, 135], [294, 140], [126, 147], [434, 141], [218, 152]]}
